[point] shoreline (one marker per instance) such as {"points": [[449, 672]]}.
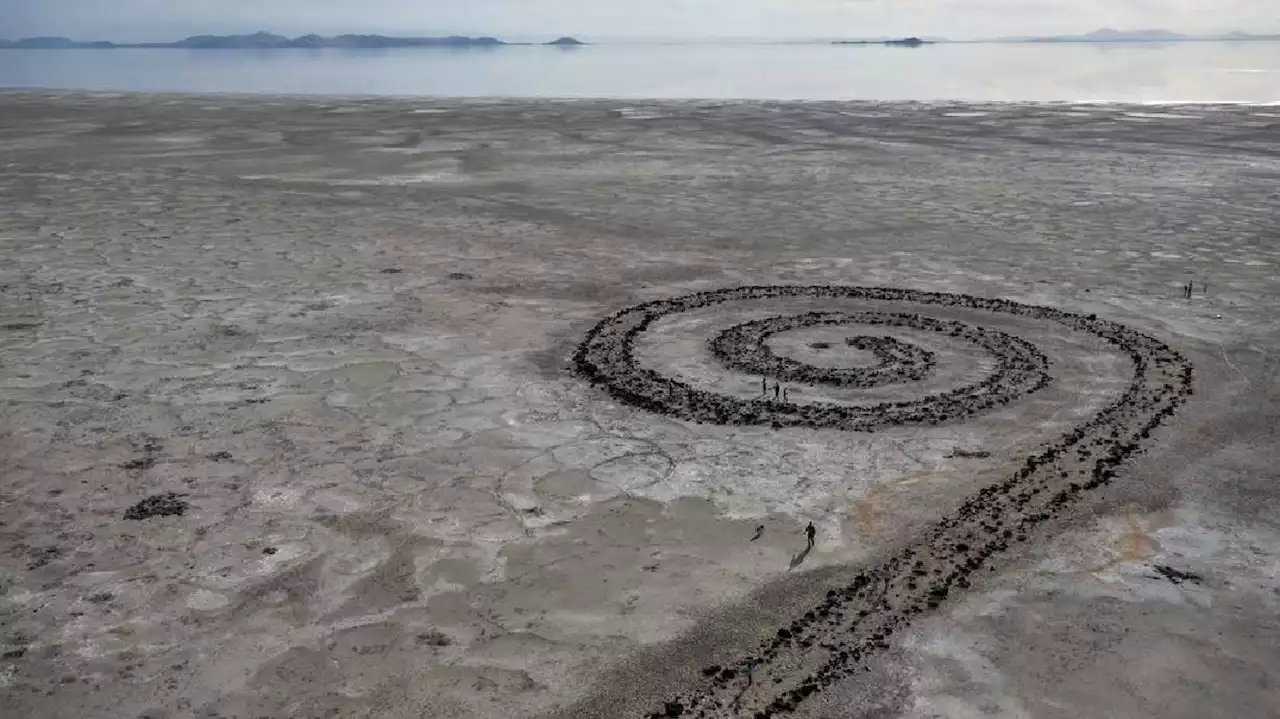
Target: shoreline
{"points": [[535, 100]]}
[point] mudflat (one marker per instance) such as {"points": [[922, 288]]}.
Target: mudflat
{"points": [[370, 407]]}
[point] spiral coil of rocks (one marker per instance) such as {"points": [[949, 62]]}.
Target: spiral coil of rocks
{"points": [[744, 348], [831, 641]]}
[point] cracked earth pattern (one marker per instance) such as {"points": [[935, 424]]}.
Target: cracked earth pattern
{"points": [[289, 425]]}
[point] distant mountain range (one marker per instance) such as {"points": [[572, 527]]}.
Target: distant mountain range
{"points": [[1110, 35], [268, 41]]}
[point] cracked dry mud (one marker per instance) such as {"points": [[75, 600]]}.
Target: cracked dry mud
{"points": [[342, 335]]}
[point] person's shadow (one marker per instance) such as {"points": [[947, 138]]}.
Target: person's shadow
{"points": [[799, 558]]}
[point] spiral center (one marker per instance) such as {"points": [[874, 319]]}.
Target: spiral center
{"points": [[607, 356], [745, 347]]}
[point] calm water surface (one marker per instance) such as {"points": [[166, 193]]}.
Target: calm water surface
{"points": [[1143, 72]]}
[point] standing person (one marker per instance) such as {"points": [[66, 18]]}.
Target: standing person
{"points": [[809, 532]]}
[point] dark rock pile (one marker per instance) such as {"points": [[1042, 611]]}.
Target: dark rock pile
{"points": [[859, 618], [744, 348], [168, 504]]}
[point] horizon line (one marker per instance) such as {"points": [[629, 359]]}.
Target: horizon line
{"points": [[1145, 35]]}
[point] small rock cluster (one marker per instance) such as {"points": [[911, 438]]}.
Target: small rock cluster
{"points": [[168, 504]]}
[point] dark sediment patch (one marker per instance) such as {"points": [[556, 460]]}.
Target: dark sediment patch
{"points": [[160, 505], [1177, 576], [968, 454]]}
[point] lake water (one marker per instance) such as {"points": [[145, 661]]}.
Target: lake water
{"points": [[1142, 72]]}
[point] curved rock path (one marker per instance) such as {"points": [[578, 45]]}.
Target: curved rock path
{"points": [[830, 642]]}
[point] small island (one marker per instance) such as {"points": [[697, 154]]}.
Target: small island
{"points": [[567, 42], [904, 42]]}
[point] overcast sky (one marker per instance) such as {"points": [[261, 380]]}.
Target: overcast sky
{"points": [[141, 20]]}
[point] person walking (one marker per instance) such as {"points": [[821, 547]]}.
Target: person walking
{"points": [[809, 532]]}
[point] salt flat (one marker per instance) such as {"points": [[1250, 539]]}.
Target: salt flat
{"points": [[344, 333]]}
